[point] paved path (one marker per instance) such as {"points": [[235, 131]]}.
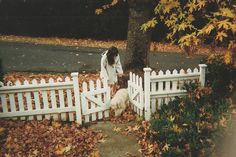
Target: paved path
{"points": [[48, 58], [116, 144]]}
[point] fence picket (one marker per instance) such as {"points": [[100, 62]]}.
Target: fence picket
{"points": [[91, 88], [20, 100], [53, 100], [141, 94], [69, 100], [85, 106], [99, 96], [12, 103], [167, 87], [138, 97], [4, 103], [62, 103], [36, 99], [45, 98], [153, 89], [131, 87], [181, 83], [107, 98], [174, 82], [28, 101]]}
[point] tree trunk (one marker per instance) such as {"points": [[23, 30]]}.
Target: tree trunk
{"points": [[138, 42]]}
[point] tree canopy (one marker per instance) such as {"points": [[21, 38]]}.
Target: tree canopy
{"points": [[193, 22]]}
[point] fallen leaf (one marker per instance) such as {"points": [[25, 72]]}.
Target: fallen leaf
{"points": [[2, 130], [95, 153], [116, 129], [102, 140]]}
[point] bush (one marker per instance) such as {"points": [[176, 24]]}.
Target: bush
{"points": [[220, 76], [187, 126]]}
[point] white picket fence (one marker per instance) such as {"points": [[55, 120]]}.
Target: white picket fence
{"points": [[58, 100], [160, 88]]}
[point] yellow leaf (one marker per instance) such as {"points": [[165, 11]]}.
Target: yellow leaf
{"points": [[116, 129], [208, 28], [231, 45], [67, 148], [176, 128], [150, 24], [201, 4], [2, 130], [233, 27], [172, 118], [102, 140], [224, 24], [190, 18], [192, 6], [95, 153], [114, 2], [98, 11], [228, 57], [169, 36], [227, 12], [56, 124], [7, 155], [181, 16], [169, 22], [166, 147], [221, 35], [60, 149]]}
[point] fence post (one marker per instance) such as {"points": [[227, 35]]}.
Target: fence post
{"points": [[147, 72], [77, 97], [202, 74]]}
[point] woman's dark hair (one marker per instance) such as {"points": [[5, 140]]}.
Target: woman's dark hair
{"points": [[111, 54]]}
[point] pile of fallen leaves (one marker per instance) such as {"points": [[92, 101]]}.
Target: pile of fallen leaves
{"points": [[121, 44], [22, 76], [47, 138], [127, 116]]}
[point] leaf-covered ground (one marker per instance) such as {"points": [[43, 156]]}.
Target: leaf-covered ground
{"points": [[50, 138], [46, 138], [121, 44]]}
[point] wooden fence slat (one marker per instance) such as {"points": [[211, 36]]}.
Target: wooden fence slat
{"points": [[28, 101], [12, 103], [45, 98], [141, 95], [53, 100], [62, 103], [37, 100], [99, 96], [91, 88], [4, 103], [167, 88], [107, 98], [85, 106], [69, 100], [174, 83], [20, 100], [153, 89]]}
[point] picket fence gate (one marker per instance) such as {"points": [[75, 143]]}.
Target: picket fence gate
{"points": [[158, 88], [58, 100]]}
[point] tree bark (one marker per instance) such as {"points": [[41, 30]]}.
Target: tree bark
{"points": [[138, 42]]}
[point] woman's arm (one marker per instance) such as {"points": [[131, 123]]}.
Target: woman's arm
{"points": [[103, 74], [119, 66]]}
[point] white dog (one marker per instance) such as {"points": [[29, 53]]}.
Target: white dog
{"points": [[120, 101]]}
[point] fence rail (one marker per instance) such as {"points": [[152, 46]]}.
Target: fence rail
{"points": [[161, 87], [58, 100]]}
